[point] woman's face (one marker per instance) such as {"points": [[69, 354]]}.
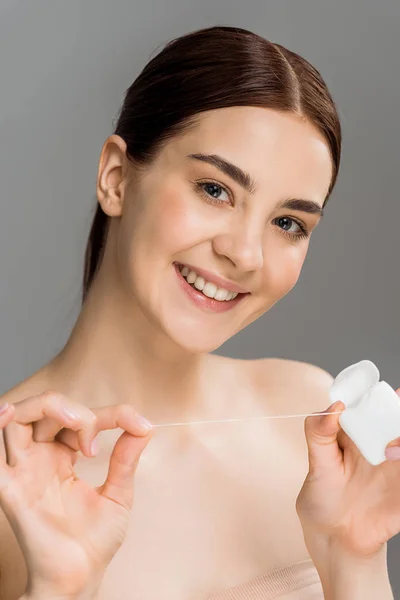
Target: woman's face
{"points": [[188, 211]]}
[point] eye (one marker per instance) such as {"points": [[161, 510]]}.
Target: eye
{"points": [[208, 188], [302, 229]]}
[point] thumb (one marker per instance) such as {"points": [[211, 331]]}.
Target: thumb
{"points": [[124, 459], [321, 435]]}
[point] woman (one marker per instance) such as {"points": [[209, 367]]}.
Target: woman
{"points": [[224, 155]]}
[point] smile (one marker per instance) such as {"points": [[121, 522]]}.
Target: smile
{"points": [[204, 293]]}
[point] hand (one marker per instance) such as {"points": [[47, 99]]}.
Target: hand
{"points": [[344, 499], [68, 531]]}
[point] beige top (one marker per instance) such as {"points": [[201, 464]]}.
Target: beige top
{"points": [[294, 582]]}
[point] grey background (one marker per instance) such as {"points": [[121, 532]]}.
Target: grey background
{"points": [[64, 68]]}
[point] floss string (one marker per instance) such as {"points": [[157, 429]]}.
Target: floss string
{"points": [[249, 418]]}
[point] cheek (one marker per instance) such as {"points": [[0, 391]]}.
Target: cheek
{"points": [[178, 222], [161, 224], [283, 273]]}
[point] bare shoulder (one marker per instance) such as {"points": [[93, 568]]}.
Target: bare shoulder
{"points": [[305, 385], [36, 383], [291, 384]]}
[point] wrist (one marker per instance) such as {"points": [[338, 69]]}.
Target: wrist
{"points": [[345, 574], [43, 591], [40, 596], [51, 596], [89, 594]]}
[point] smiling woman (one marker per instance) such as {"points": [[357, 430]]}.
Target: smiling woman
{"points": [[209, 189]]}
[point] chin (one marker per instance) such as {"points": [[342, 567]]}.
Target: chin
{"points": [[195, 341], [192, 335]]}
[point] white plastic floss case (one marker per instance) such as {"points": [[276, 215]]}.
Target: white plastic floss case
{"points": [[372, 415]]}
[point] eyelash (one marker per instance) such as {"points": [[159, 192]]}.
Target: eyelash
{"points": [[198, 185]]}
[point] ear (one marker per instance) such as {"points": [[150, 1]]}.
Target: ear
{"points": [[111, 176]]}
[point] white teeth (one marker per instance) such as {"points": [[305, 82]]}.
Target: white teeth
{"points": [[222, 294], [209, 289], [199, 283], [191, 277]]}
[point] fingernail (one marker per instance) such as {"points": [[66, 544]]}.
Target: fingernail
{"points": [[70, 414], [3, 407], [144, 423], [94, 447], [329, 409], [392, 453]]}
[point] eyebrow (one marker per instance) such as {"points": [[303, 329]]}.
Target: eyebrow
{"points": [[247, 182]]}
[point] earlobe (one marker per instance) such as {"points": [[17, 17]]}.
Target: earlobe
{"points": [[111, 204]]}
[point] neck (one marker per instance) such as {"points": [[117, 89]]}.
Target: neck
{"points": [[116, 355]]}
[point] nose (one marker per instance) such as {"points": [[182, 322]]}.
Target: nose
{"points": [[243, 247]]}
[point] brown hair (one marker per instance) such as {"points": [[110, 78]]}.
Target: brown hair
{"points": [[212, 68]]}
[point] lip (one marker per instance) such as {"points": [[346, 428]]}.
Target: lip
{"points": [[204, 302], [216, 279]]}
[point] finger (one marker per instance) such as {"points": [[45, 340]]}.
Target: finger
{"points": [[393, 443], [54, 407], [6, 414], [46, 430], [123, 464], [321, 435], [109, 417]]}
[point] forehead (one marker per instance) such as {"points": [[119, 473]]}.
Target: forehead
{"points": [[284, 153]]}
